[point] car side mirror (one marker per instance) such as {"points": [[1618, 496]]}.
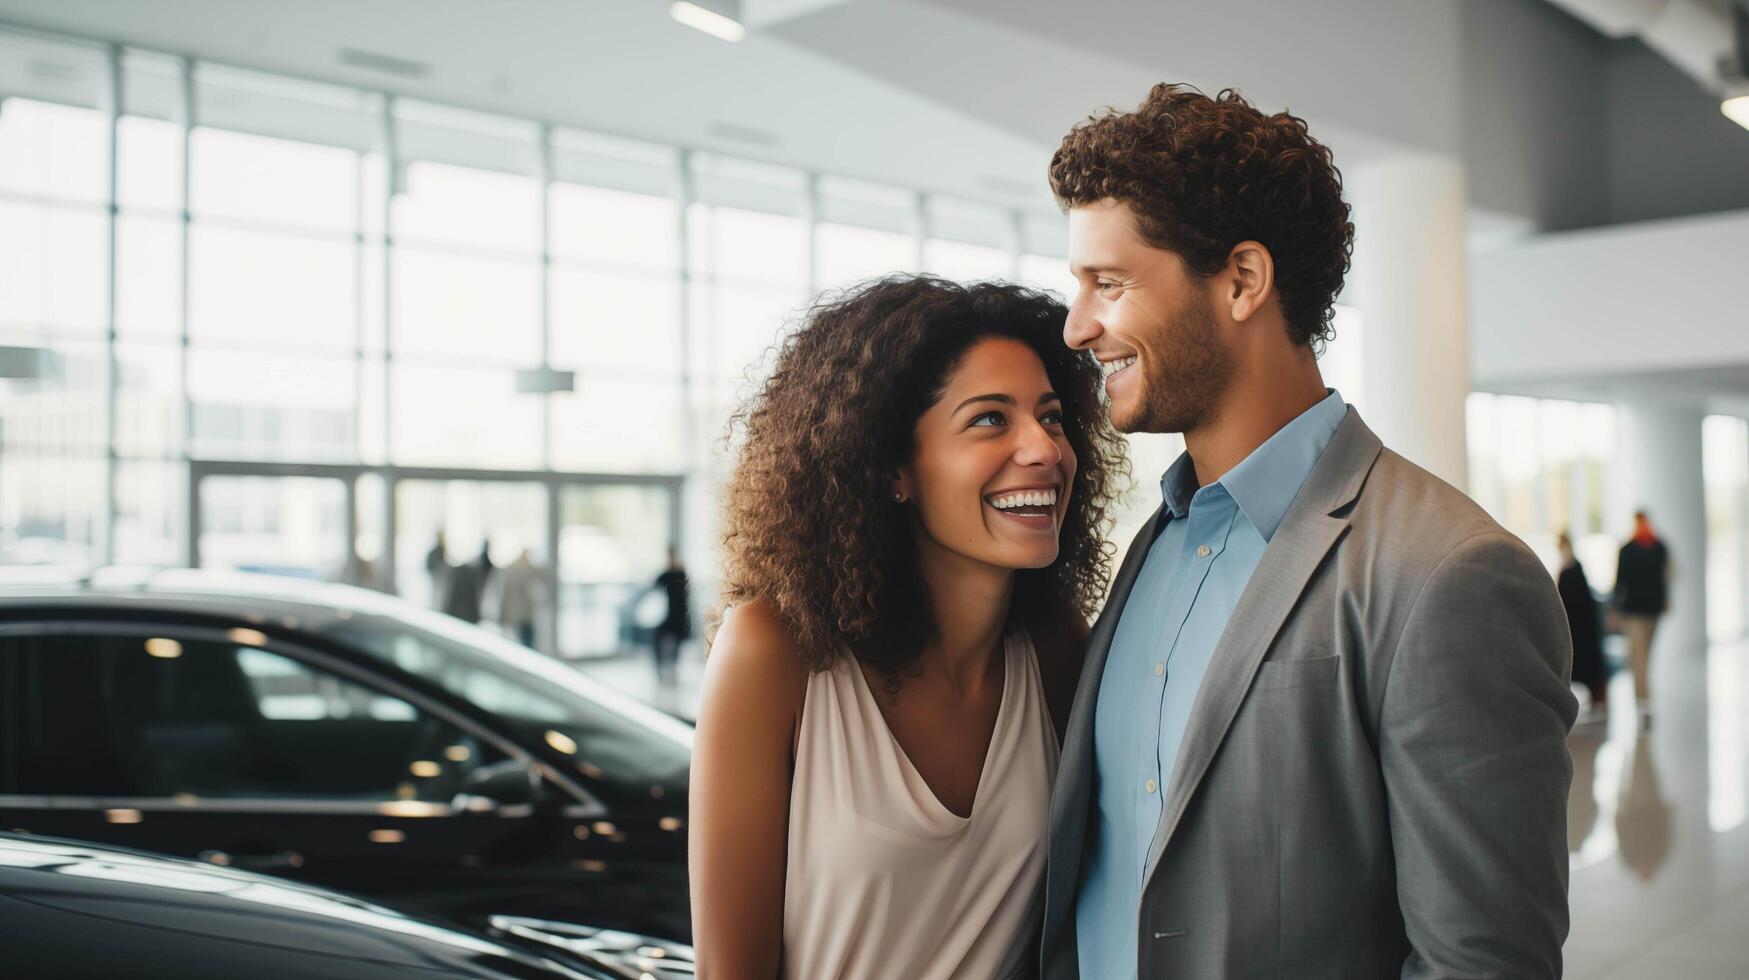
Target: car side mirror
{"points": [[509, 785]]}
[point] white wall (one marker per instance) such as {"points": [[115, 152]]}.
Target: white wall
{"points": [[1656, 296]]}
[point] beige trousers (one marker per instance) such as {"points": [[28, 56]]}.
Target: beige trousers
{"points": [[1638, 630]]}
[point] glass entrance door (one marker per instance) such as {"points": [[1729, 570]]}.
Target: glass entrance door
{"points": [[613, 542], [298, 526], [456, 537]]}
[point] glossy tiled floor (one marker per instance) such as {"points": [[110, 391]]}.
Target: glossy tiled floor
{"points": [[1659, 825], [1658, 820]]}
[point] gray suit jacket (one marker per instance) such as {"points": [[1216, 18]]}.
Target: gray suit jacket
{"points": [[1373, 782]]}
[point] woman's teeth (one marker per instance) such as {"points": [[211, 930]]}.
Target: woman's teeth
{"points": [[1025, 498], [1113, 367]]}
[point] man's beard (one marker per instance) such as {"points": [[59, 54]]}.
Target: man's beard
{"points": [[1185, 373]]}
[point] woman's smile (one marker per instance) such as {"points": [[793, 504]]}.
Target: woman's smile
{"points": [[1034, 508]]}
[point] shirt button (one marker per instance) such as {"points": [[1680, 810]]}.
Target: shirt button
{"points": [[1151, 786], [1202, 551], [1159, 668]]}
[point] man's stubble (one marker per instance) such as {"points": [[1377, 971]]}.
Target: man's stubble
{"points": [[1186, 373]]}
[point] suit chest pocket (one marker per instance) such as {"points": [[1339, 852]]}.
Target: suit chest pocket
{"points": [[1283, 675]]}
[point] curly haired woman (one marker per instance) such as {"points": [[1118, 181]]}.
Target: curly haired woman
{"points": [[914, 546]]}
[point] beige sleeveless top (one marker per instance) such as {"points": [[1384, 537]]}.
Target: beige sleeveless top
{"points": [[883, 880]]}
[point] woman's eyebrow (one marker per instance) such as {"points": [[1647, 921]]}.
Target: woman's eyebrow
{"points": [[1049, 396], [1004, 399]]}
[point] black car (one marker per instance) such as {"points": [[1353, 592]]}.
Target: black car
{"points": [[343, 738], [76, 909]]}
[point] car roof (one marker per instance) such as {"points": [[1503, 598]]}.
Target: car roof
{"points": [[302, 605], [242, 595], [197, 920]]}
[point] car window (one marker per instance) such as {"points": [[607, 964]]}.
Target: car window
{"points": [[611, 737], [162, 716]]}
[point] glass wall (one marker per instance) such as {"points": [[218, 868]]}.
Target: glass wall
{"points": [[1540, 467], [312, 325]]}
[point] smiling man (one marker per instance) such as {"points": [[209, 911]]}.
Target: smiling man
{"points": [[1321, 727]]}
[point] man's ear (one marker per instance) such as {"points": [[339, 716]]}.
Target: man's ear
{"points": [[1253, 271]]}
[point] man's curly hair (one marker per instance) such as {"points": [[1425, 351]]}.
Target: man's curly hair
{"points": [[1204, 174], [810, 521]]}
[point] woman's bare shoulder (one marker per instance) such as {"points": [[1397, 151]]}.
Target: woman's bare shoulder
{"points": [[755, 648]]}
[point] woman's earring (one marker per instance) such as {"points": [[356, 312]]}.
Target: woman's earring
{"points": [[898, 496]]}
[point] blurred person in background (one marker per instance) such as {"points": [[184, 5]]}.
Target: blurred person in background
{"points": [[521, 594], [676, 624], [487, 568], [464, 589], [1642, 596], [913, 542], [437, 568], [1584, 622]]}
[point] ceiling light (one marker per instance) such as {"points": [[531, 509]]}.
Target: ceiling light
{"points": [[1737, 109], [709, 21]]}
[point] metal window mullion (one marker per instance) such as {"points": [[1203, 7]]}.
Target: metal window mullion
{"points": [[692, 460], [390, 514], [549, 642], [111, 408], [358, 314], [545, 176], [547, 638], [191, 535]]}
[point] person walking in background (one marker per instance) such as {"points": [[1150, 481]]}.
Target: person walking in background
{"points": [[487, 569], [521, 593], [676, 625], [1642, 595], [1583, 622], [464, 589], [437, 566]]}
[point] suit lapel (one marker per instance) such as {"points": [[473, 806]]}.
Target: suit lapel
{"points": [[1299, 546], [1069, 797]]}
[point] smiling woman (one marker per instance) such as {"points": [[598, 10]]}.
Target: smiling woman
{"points": [[810, 520], [915, 543]]}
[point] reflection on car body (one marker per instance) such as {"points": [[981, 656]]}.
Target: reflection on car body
{"points": [[343, 738], [165, 917]]}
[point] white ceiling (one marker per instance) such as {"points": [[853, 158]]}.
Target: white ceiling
{"points": [[1368, 75], [616, 66]]}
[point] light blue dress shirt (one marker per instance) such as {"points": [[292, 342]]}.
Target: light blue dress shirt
{"points": [[1197, 566]]}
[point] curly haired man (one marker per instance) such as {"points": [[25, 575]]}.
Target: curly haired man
{"points": [[1320, 731]]}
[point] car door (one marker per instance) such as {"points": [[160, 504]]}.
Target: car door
{"points": [[246, 751]]}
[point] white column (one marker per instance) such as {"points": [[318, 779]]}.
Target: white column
{"points": [[1658, 469], [1742, 525], [1409, 282]]}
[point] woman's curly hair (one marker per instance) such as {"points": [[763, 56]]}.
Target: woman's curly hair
{"points": [[810, 522], [1203, 175]]}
